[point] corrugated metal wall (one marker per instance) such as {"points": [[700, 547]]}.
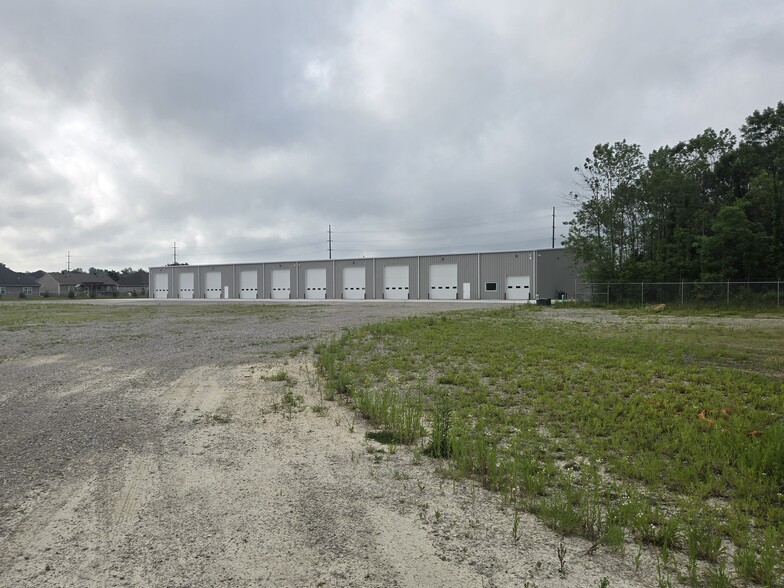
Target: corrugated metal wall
{"points": [[497, 267], [341, 264], [550, 271]]}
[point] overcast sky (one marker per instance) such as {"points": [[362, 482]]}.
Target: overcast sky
{"points": [[242, 129]]}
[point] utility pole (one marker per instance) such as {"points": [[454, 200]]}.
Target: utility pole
{"points": [[68, 260], [175, 253], [329, 232], [553, 243]]}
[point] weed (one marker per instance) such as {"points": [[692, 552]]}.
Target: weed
{"points": [[280, 376], [516, 526], [604, 583], [595, 428], [320, 409], [560, 552]]}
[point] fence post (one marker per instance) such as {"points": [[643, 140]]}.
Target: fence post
{"points": [[642, 293], [681, 292], [728, 292], [778, 291], [608, 293]]}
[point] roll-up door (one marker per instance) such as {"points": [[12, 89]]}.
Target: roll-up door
{"points": [[518, 287], [161, 285], [396, 282], [249, 280], [212, 285], [316, 283], [281, 283], [354, 283], [443, 281], [186, 285]]}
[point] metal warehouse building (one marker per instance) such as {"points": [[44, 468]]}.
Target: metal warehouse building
{"points": [[508, 275]]}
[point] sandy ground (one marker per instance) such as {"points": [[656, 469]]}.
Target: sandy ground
{"points": [[167, 457]]}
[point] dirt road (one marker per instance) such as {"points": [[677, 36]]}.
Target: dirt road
{"points": [[161, 446]]}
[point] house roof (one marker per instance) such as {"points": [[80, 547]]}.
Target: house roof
{"points": [[138, 278], [8, 277], [74, 278], [36, 274]]}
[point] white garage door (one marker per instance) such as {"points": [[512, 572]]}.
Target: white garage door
{"points": [[281, 283], [249, 282], [316, 283], [161, 286], [186, 285], [212, 285], [396, 282], [443, 281], [354, 283], [518, 288]]}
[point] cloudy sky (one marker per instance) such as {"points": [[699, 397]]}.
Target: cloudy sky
{"points": [[242, 129]]}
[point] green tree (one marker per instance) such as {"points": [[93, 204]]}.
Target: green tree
{"points": [[604, 232]]}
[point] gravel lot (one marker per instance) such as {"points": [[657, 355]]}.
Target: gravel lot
{"points": [[150, 447]]}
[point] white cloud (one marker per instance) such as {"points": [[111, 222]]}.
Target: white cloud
{"points": [[241, 130]]}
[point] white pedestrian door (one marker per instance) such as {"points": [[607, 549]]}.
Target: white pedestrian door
{"points": [[443, 281], [316, 283], [186, 285], [161, 286], [354, 283], [466, 290], [396, 282], [249, 280], [518, 288], [281, 284], [212, 285]]}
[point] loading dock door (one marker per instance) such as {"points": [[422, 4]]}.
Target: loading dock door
{"points": [[396, 282], [316, 283], [443, 281], [281, 284], [354, 283], [249, 283], [212, 285], [518, 288], [161, 286], [186, 285]]}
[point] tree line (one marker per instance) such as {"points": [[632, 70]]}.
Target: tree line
{"points": [[710, 208]]}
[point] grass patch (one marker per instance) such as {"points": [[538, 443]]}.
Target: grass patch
{"points": [[667, 433]]}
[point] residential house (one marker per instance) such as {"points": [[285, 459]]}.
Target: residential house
{"points": [[136, 283], [61, 283], [15, 284]]}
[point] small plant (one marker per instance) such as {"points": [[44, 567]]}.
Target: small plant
{"points": [[280, 376], [604, 583], [220, 418], [638, 559], [437, 514], [320, 409], [516, 526], [560, 551]]}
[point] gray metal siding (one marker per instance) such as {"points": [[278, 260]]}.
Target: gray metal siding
{"points": [[466, 272], [267, 273], [381, 263], [341, 264], [555, 272], [549, 271], [496, 267]]}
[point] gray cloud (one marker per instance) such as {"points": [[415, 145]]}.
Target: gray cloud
{"points": [[242, 129]]}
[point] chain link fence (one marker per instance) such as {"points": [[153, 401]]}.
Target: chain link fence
{"points": [[683, 293]]}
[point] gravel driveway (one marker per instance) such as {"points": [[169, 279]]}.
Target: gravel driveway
{"points": [[153, 445]]}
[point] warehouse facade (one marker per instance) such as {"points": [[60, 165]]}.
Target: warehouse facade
{"points": [[507, 275]]}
